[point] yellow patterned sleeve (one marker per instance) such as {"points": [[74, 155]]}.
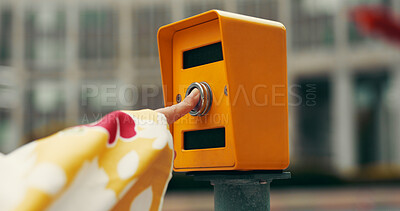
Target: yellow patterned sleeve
{"points": [[121, 162]]}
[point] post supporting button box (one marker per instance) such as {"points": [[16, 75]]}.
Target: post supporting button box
{"points": [[239, 62]]}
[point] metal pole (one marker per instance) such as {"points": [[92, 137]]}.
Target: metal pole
{"points": [[241, 195], [241, 190]]}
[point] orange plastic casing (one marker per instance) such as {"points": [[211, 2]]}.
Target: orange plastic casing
{"points": [[254, 109]]}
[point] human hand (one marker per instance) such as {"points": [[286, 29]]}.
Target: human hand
{"points": [[175, 112]]}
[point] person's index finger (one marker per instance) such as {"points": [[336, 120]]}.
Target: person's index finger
{"points": [[179, 110], [188, 103]]}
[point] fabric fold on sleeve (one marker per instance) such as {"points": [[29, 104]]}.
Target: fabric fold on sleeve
{"points": [[121, 162]]}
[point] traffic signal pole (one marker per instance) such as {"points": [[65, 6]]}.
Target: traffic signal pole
{"points": [[235, 190]]}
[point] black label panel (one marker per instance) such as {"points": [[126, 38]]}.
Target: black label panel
{"points": [[204, 139], [203, 55]]}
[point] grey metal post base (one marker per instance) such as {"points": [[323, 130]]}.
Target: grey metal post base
{"points": [[241, 190]]}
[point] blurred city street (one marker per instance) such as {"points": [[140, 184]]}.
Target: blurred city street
{"points": [[68, 63], [301, 199]]}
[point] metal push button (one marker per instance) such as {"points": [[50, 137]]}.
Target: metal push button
{"points": [[204, 104]]}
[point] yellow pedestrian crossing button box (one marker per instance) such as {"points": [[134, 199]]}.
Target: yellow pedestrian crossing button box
{"points": [[239, 65]]}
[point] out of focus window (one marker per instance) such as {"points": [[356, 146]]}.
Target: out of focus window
{"points": [[7, 104], [197, 7], [98, 98], [5, 127], [5, 35], [98, 38], [146, 21], [7, 87], [312, 24], [267, 9], [373, 117], [45, 38], [151, 96], [314, 121], [355, 36], [45, 108]]}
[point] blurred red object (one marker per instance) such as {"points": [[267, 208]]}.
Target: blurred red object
{"points": [[377, 20]]}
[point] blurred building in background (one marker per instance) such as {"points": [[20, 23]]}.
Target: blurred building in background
{"points": [[69, 63]]}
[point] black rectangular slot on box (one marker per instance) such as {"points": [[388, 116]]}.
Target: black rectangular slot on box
{"points": [[203, 55], [204, 139]]}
